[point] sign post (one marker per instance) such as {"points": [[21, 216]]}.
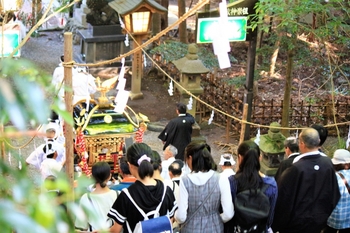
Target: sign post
{"points": [[238, 30]]}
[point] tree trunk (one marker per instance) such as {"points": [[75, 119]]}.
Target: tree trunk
{"points": [[182, 26], [288, 88]]}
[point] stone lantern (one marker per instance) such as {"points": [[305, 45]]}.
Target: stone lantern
{"points": [[272, 149], [191, 69]]}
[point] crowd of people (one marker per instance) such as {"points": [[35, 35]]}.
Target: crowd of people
{"points": [[185, 193], [310, 195]]}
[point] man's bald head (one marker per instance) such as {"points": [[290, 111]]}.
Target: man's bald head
{"points": [[309, 139]]}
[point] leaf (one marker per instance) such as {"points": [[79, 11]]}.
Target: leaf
{"points": [[21, 93], [13, 219]]}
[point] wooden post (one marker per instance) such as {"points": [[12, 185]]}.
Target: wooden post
{"points": [[244, 118], [248, 95], [137, 71], [68, 98], [183, 26]]}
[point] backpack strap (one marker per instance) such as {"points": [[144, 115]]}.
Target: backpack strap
{"points": [[345, 181], [155, 212]]}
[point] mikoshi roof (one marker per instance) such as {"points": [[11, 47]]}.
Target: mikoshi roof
{"points": [[124, 7]]}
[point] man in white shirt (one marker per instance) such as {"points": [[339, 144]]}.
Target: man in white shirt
{"points": [[50, 166], [83, 82], [39, 155], [175, 170], [226, 163], [83, 86], [169, 156]]}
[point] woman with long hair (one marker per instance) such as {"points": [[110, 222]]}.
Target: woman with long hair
{"points": [[201, 193], [248, 177], [98, 202], [146, 192]]}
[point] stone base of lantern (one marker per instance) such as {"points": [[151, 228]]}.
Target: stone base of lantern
{"points": [[269, 171]]}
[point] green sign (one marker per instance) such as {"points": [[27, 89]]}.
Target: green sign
{"points": [[207, 29]]}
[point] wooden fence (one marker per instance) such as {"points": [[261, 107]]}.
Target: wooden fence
{"points": [[302, 113]]}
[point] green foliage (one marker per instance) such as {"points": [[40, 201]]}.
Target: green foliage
{"points": [[24, 207], [63, 6], [311, 100], [22, 95], [291, 18], [22, 99], [174, 50], [170, 50], [236, 81]]}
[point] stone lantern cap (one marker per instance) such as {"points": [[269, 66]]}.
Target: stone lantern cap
{"points": [[273, 141], [190, 64]]}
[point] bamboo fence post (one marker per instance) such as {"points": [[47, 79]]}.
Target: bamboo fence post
{"points": [[68, 98]]}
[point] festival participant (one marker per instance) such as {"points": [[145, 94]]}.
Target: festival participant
{"points": [[83, 83], [248, 176], [157, 174], [175, 170], [291, 149], [307, 191], [98, 202], [127, 180], [339, 221], [227, 163], [201, 193], [83, 86], [178, 131], [147, 192], [38, 155], [169, 157], [50, 166]]}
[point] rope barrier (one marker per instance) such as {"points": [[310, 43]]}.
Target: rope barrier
{"points": [[141, 47]]}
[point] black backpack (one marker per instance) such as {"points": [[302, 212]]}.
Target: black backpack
{"points": [[252, 209]]}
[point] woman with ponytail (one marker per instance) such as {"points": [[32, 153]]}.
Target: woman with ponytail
{"points": [[248, 177], [146, 192], [98, 202], [201, 193]]}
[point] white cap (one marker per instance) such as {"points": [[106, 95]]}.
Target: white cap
{"points": [[226, 158], [341, 156]]}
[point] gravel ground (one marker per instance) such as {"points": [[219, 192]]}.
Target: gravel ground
{"points": [[44, 51]]}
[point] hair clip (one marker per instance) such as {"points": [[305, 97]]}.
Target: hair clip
{"points": [[143, 157]]}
